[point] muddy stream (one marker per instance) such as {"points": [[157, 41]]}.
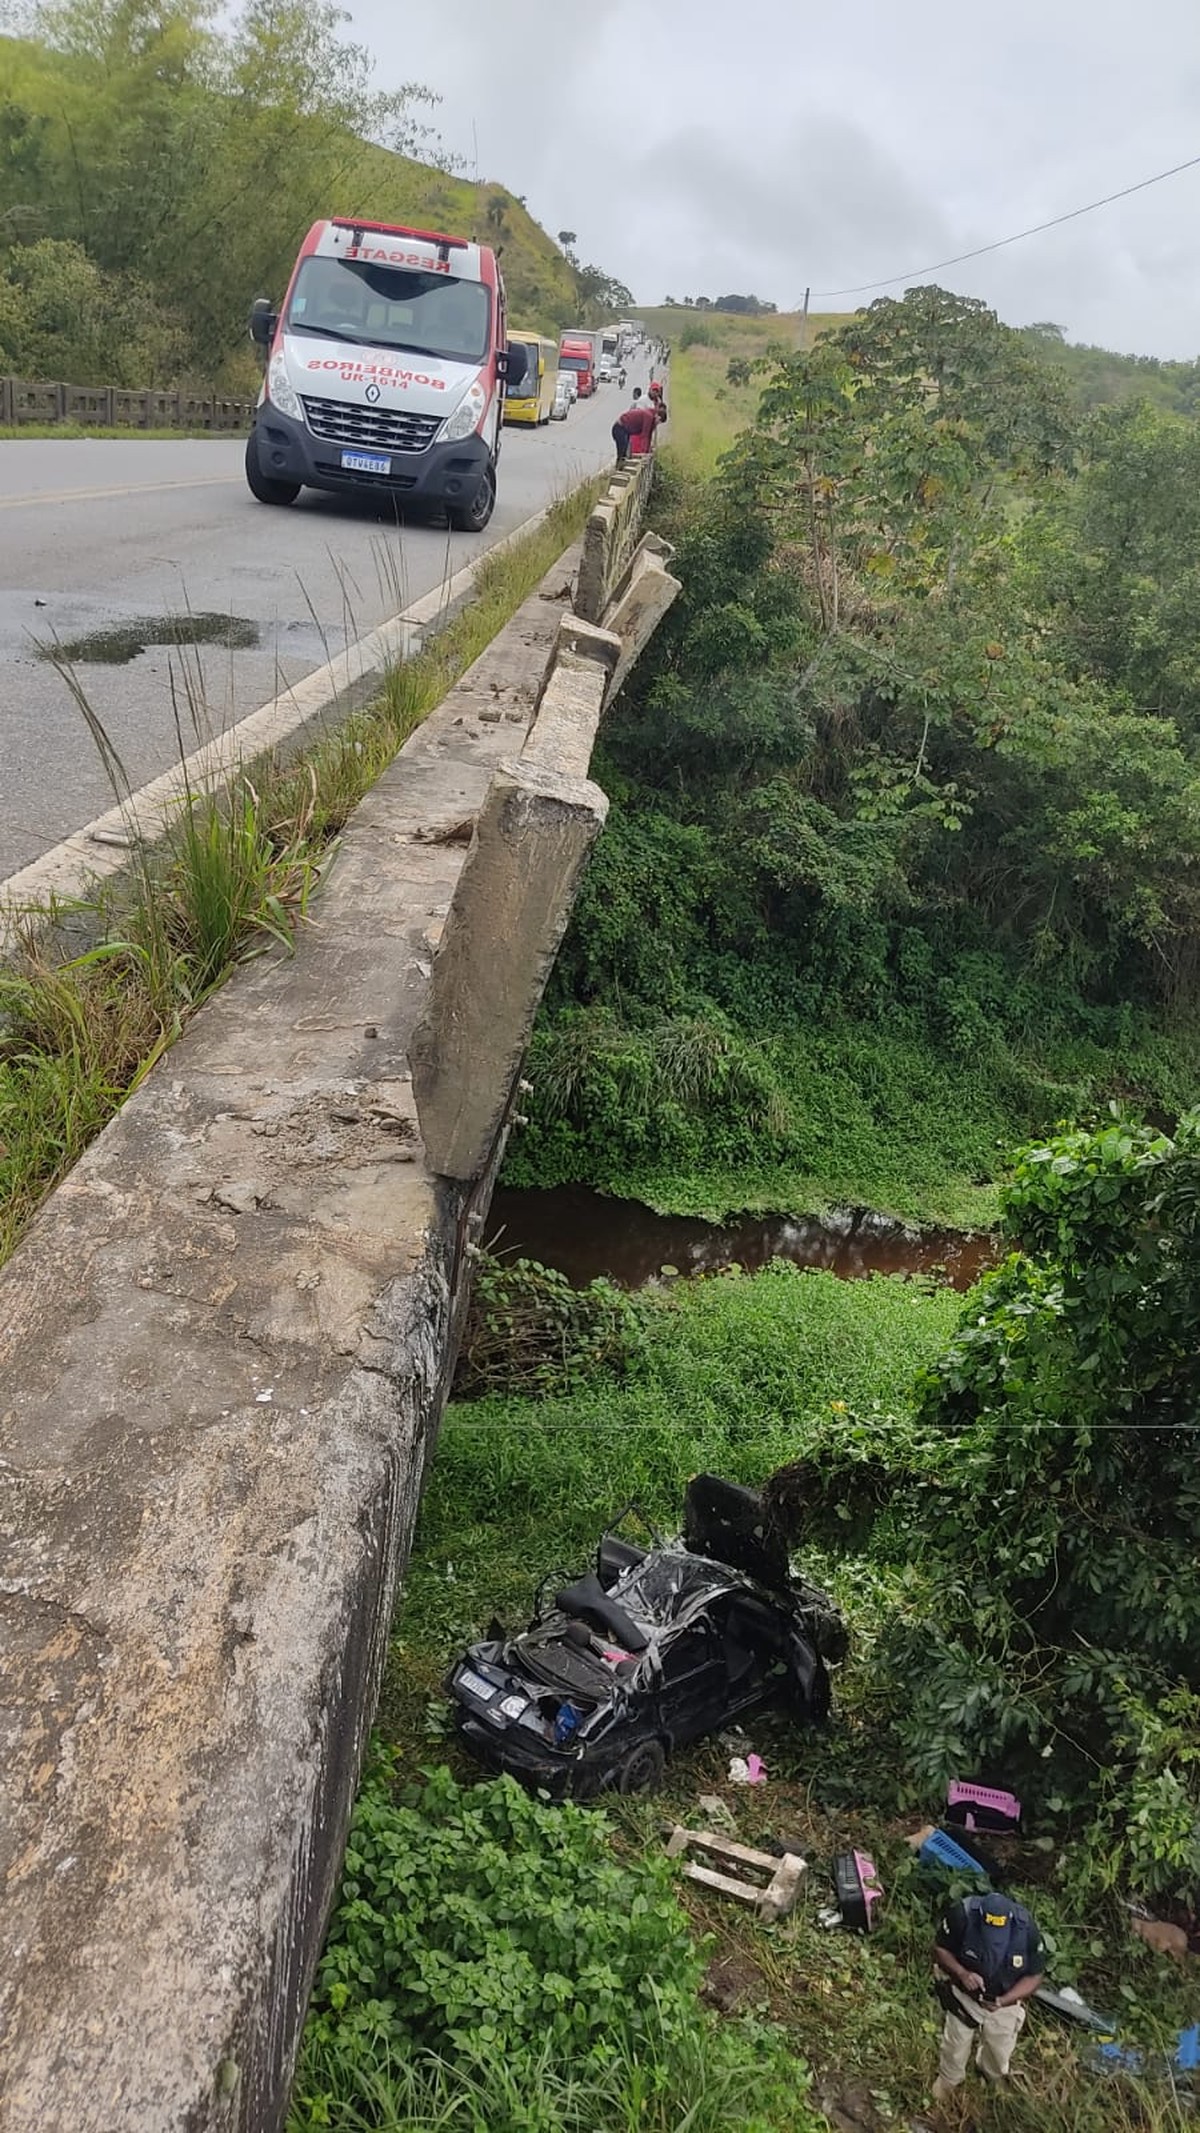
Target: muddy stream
{"points": [[587, 1234]]}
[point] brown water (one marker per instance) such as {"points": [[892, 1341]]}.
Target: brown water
{"points": [[586, 1234]]}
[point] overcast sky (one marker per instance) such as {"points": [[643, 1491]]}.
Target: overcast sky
{"points": [[702, 146]]}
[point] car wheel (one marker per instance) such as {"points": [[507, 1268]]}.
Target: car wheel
{"points": [[642, 1768], [473, 517], [260, 484]]}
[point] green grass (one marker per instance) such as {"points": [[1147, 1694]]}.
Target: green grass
{"points": [[707, 412], [831, 1113], [77, 1034], [738, 1374]]}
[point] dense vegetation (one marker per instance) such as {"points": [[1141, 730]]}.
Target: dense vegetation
{"points": [[1100, 378], [1002, 1495], [903, 861], [158, 168]]}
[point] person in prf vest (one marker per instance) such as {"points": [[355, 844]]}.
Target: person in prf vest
{"points": [[990, 1952]]}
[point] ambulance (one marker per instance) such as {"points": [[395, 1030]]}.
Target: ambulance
{"points": [[385, 371]]}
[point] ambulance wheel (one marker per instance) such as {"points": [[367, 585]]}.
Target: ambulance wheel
{"points": [[261, 485], [473, 517]]}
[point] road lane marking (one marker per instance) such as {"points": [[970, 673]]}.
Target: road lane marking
{"points": [[93, 496]]}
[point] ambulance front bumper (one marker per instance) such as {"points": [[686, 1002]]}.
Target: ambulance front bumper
{"points": [[439, 474]]}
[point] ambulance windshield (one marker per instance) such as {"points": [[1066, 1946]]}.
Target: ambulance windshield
{"points": [[378, 306]]}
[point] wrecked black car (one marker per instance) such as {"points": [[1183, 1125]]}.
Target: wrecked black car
{"points": [[654, 1647]]}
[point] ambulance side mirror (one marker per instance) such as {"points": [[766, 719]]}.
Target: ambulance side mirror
{"points": [[263, 321]]}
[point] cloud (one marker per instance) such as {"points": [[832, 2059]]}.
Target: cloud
{"points": [[788, 218], [772, 145]]}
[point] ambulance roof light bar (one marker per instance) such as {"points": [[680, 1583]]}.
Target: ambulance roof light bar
{"points": [[445, 245]]}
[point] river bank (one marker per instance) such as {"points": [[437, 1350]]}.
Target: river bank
{"points": [[590, 1236]]}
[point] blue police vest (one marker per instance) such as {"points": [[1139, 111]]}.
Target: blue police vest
{"points": [[998, 1942]]}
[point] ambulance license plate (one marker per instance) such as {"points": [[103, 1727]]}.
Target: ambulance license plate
{"points": [[365, 463]]}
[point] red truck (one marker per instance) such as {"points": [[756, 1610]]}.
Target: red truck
{"points": [[579, 351]]}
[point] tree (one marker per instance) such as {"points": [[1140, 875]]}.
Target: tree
{"points": [[496, 210], [1118, 556], [568, 240], [1071, 1399], [947, 360], [601, 292], [188, 155]]}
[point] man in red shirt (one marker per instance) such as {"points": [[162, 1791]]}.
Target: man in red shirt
{"points": [[633, 431]]}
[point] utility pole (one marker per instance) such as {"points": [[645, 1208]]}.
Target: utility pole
{"points": [[804, 322]]}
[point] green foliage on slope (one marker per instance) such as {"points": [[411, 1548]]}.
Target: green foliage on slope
{"points": [[493, 1959], [1098, 377], [158, 170], [903, 860]]}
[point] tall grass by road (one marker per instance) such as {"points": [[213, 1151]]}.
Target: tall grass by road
{"points": [[707, 411], [78, 1032]]}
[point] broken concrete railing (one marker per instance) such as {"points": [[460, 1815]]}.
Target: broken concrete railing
{"points": [[517, 889], [611, 537], [506, 920], [225, 1345]]}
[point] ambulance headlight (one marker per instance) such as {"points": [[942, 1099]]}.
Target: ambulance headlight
{"points": [[467, 415], [280, 391]]}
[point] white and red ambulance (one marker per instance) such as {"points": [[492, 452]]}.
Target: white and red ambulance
{"points": [[385, 371]]}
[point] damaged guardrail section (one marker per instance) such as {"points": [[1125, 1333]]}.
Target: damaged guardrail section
{"points": [[224, 1350]]}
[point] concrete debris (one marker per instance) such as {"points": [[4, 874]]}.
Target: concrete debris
{"points": [[772, 1900], [241, 1196]]}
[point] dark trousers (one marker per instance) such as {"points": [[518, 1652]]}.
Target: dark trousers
{"points": [[622, 440]]}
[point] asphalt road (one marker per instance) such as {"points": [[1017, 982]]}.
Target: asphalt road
{"points": [[101, 535]]}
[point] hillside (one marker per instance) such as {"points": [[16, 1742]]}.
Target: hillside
{"points": [[1098, 377], [708, 408], [239, 140]]}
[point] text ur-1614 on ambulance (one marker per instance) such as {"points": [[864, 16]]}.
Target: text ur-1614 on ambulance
{"points": [[385, 371]]}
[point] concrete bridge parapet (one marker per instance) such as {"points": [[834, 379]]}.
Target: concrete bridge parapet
{"points": [[225, 1345]]}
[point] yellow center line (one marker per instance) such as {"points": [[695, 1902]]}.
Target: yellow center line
{"points": [[93, 496]]}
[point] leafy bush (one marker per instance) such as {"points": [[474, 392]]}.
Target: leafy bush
{"points": [[529, 1331], [61, 316], [499, 1950], [1060, 1635]]}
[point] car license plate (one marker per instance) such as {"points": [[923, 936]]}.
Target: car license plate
{"points": [[476, 1685], [365, 463]]}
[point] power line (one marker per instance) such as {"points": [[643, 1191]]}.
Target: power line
{"points": [[916, 273]]}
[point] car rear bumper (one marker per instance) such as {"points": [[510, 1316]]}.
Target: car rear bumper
{"points": [[441, 474], [542, 1770]]}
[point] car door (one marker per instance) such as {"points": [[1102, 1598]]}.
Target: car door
{"points": [[693, 1690], [752, 1635]]}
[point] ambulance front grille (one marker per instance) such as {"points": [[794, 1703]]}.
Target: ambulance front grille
{"points": [[370, 429]]}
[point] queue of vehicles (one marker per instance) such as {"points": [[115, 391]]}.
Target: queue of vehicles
{"points": [[390, 367]]}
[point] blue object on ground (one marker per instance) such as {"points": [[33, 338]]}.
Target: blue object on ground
{"points": [[941, 1850]]}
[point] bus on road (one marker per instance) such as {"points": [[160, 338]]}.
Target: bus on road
{"points": [[532, 402]]}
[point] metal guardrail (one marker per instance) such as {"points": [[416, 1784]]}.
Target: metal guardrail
{"points": [[112, 407]]}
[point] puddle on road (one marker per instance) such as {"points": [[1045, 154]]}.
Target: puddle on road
{"points": [[119, 642], [586, 1234]]}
